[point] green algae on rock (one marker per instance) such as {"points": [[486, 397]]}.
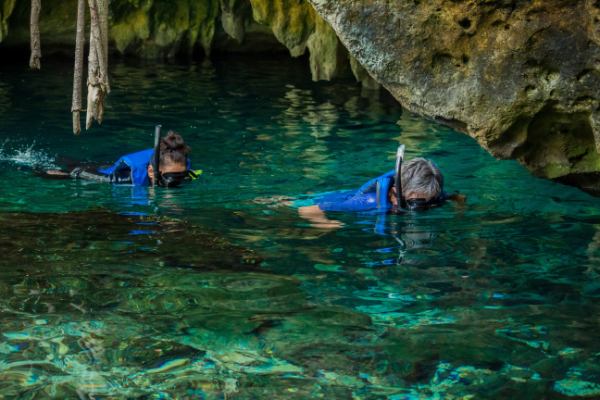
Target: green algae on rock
{"points": [[161, 28], [292, 21], [6, 8], [520, 77], [157, 28]]}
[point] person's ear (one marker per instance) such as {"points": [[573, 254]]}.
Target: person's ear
{"points": [[150, 172]]}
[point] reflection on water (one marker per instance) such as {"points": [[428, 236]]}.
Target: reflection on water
{"points": [[211, 291]]}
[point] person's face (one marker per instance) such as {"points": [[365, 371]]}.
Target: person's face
{"points": [[408, 196], [167, 168]]}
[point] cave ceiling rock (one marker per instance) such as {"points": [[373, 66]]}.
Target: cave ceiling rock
{"points": [[153, 29], [521, 77]]}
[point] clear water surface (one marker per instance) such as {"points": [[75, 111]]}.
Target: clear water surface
{"points": [[217, 291]]}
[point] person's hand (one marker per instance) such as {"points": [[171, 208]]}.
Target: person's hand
{"points": [[56, 172], [318, 219], [274, 201]]}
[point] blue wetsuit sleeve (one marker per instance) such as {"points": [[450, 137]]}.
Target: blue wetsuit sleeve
{"points": [[363, 199], [347, 201]]}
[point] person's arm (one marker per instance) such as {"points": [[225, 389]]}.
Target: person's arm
{"points": [[76, 173], [317, 218], [52, 174], [80, 173]]}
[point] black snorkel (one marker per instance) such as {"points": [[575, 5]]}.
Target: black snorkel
{"points": [[398, 209], [414, 204], [156, 155], [167, 179]]}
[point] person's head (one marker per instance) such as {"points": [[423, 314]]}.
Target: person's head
{"points": [[421, 180], [172, 160]]}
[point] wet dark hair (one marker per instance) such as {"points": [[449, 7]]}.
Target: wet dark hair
{"points": [[173, 149]]}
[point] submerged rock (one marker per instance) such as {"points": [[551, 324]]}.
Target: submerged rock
{"points": [[67, 241], [577, 388], [521, 77]]}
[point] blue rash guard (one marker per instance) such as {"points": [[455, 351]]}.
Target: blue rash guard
{"points": [[372, 196], [132, 168]]}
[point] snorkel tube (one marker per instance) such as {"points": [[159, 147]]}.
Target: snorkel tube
{"points": [[156, 155], [398, 179]]}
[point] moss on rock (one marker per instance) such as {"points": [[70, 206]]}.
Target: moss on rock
{"points": [[234, 18], [291, 21], [165, 28], [362, 76], [130, 28], [327, 56], [6, 9]]}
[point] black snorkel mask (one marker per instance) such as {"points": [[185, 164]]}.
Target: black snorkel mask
{"points": [[422, 204], [166, 179], [403, 205], [172, 179]]}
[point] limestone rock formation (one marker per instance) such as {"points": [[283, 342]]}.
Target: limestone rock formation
{"points": [[521, 77], [166, 28], [6, 8]]}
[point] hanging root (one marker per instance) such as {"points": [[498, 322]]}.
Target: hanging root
{"points": [[78, 74], [98, 86], [34, 27], [103, 20]]}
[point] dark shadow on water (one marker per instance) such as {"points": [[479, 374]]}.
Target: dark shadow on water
{"points": [[80, 238]]}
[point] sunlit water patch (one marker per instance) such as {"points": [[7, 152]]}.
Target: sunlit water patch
{"points": [[220, 290]]}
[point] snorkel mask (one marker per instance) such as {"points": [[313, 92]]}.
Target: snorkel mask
{"points": [[403, 205], [171, 179], [422, 204]]}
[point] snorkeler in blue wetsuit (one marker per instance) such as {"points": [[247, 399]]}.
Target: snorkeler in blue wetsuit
{"points": [[415, 185], [169, 158]]}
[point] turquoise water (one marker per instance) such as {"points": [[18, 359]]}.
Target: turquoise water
{"points": [[219, 291]]}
